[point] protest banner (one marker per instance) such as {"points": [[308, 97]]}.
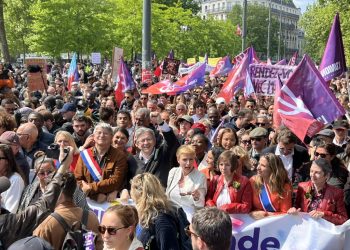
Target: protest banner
{"points": [[37, 80], [286, 232], [96, 58], [264, 77], [191, 61], [117, 55], [211, 61]]}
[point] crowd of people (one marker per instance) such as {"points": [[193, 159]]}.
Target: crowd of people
{"points": [[195, 151]]}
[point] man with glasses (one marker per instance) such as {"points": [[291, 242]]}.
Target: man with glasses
{"points": [[293, 156], [210, 229], [144, 99], [128, 101], [258, 138]]}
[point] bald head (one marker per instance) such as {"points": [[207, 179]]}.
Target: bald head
{"points": [[28, 134]]}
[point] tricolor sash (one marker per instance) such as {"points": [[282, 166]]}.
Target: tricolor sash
{"points": [[265, 199], [91, 164], [57, 163]]}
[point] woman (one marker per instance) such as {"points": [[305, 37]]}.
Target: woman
{"points": [[118, 228], [212, 169], [200, 143], [230, 192], [339, 173], [120, 139], [245, 142], [245, 167], [227, 139], [318, 198], [66, 139], [10, 199], [272, 189], [186, 186], [44, 168], [157, 226]]}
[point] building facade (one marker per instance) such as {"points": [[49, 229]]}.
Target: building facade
{"points": [[284, 11]]}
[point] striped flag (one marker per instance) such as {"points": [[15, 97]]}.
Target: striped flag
{"points": [[73, 75]]}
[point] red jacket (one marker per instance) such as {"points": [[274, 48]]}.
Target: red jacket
{"points": [[332, 204], [241, 198]]}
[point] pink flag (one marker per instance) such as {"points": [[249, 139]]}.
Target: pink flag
{"points": [[293, 60]]}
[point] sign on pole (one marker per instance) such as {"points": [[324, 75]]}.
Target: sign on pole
{"points": [[117, 55], [96, 58], [37, 80]]}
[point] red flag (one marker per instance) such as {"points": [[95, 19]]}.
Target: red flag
{"points": [[159, 69]]}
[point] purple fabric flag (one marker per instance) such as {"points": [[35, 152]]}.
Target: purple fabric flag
{"points": [[307, 83], [192, 80], [333, 61], [124, 77], [282, 62], [171, 54], [223, 66]]}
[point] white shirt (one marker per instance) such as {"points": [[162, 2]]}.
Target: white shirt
{"points": [[11, 197], [287, 161], [224, 197]]}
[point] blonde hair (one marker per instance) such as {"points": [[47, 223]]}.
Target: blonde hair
{"points": [[150, 198], [242, 155], [70, 139], [185, 149], [128, 216], [278, 177]]}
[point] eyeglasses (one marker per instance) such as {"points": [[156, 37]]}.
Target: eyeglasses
{"points": [[256, 139], [189, 232], [260, 124], [320, 155], [3, 158], [43, 173], [19, 134], [245, 141], [110, 230]]}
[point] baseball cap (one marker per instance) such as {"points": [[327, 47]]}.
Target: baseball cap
{"points": [[9, 137], [4, 184], [186, 118], [31, 243], [200, 126], [220, 100], [340, 124], [68, 107]]}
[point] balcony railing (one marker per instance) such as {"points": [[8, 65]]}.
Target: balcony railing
{"points": [[218, 10]]}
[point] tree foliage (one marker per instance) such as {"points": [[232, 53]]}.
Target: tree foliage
{"points": [[257, 28], [317, 22]]}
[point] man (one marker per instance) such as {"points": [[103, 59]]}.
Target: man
{"points": [[184, 124], [258, 137], [152, 105], [263, 122], [25, 222], [11, 138], [210, 229], [107, 115], [52, 231], [233, 112], [221, 105], [326, 135], [81, 129], [38, 120], [155, 159], [68, 111], [293, 156], [200, 109], [9, 105], [214, 119], [244, 117], [128, 101], [181, 109], [250, 104], [49, 122], [340, 129], [28, 139], [101, 170]]}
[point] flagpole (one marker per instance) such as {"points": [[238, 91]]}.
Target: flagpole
{"points": [[269, 32], [146, 35], [244, 25], [280, 34]]}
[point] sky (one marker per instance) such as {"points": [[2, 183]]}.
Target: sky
{"points": [[303, 4]]}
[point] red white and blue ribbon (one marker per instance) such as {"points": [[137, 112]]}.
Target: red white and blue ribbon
{"points": [[91, 164], [265, 199]]}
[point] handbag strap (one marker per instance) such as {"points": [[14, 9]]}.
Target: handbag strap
{"points": [[63, 223]]}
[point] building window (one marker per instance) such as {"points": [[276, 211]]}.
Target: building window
{"points": [[223, 5], [214, 6]]}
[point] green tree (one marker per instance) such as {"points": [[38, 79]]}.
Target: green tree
{"points": [[317, 22], [257, 28], [4, 46], [83, 26], [186, 4]]}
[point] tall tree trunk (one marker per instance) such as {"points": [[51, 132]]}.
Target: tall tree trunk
{"points": [[4, 46]]}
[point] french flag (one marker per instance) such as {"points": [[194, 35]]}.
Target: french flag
{"points": [[73, 75]]}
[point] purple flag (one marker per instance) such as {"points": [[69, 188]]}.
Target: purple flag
{"points": [[223, 66], [192, 80], [171, 54], [333, 61], [307, 83], [282, 62], [124, 77]]}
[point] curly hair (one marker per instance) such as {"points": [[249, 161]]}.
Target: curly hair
{"points": [[150, 198]]}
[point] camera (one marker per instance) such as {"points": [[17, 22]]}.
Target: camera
{"points": [[53, 151]]}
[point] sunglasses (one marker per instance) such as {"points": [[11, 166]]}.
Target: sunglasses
{"points": [[189, 232], [43, 173], [256, 139], [245, 141], [3, 158], [110, 230], [320, 155], [260, 124]]}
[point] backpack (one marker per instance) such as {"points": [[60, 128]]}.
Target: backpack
{"points": [[76, 234]]}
